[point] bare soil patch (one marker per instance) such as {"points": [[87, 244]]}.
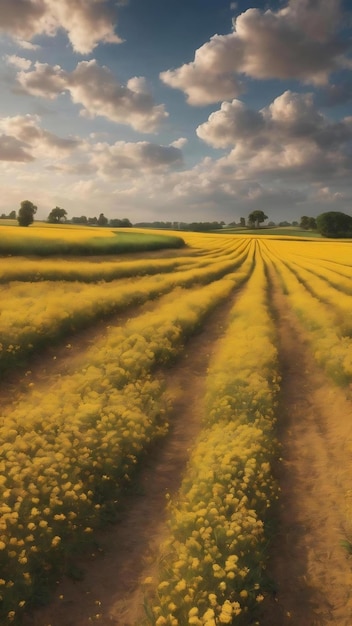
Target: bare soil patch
{"points": [[111, 593], [311, 569]]}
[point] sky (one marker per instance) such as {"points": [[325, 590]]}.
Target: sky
{"points": [[176, 110]]}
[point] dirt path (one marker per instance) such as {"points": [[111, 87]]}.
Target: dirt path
{"points": [[110, 593], [312, 571]]}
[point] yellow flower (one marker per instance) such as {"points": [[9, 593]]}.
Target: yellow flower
{"points": [[55, 541]]}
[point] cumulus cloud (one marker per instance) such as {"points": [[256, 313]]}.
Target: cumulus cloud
{"points": [[180, 142], [210, 77], [17, 61], [295, 42], [289, 136], [11, 149], [25, 135], [26, 45], [287, 141], [45, 80], [86, 23], [232, 122], [99, 92], [142, 156]]}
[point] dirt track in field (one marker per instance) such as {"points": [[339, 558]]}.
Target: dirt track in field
{"points": [[311, 569], [110, 593]]}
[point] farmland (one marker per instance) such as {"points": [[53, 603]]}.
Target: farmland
{"points": [[176, 435]]}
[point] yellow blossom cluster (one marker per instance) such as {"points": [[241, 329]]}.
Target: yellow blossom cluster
{"points": [[323, 309], [67, 452], [33, 314], [213, 565]]}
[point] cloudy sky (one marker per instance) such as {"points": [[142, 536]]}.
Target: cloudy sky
{"points": [[188, 110]]}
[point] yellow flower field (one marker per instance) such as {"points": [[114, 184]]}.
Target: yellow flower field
{"points": [[69, 450]]}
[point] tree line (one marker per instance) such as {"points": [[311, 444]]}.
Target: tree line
{"points": [[328, 224], [27, 211]]}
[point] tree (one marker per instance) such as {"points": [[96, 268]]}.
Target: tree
{"points": [[242, 222], [56, 215], [125, 223], [26, 213], [334, 224], [308, 223], [102, 220], [80, 220], [256, 217]]}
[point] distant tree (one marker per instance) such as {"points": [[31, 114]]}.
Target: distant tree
{"points": [[256, 217], [294, 223], [271, 224], [10, 216], [125, 223], [308, 223], [80, 220], [334, 224], [26, 213], [56, 215], [102, 220], [92, 221], [242, 222], [119, 223]]}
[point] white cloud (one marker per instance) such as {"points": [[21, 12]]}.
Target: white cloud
{"points": [[26, 45], [86, 23], [123, 158], [31, 141], [231, 123], [99, 92], [209, 78], [19, 62], [296, 42], [327, 195], [290, 138], [45, 80], [11, 149], [180, 142]]}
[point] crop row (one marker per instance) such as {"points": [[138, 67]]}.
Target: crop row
{"points": [[34, 314], [212, 569], [69, 450], [325, 329]]}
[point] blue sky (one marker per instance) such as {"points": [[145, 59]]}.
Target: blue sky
{"points": [[176, 110]]}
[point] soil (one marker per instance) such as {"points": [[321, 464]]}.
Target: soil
{"points": [[310, 568]]}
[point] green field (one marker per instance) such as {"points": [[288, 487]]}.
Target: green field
{"points": [[50, 240]]}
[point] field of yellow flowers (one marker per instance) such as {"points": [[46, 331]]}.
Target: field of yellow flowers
{"points": [[69, 450]]}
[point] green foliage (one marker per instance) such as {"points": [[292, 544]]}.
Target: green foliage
{"points": [[56, 215], [256, 217], [117, 223], [102, 220], [335, 224], [308, 223], [10, 216], [26, 213]]}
